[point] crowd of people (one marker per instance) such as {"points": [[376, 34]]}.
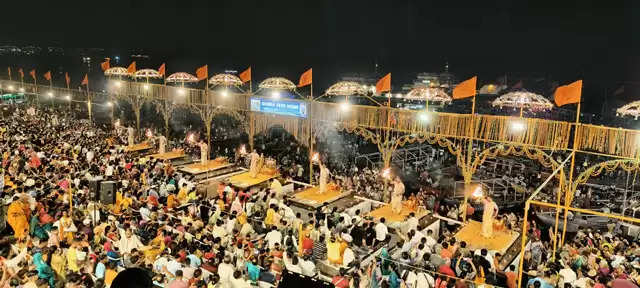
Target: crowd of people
{"points": [[162, 226]]}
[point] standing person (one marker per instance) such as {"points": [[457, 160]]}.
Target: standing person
{"points": [[324, 179], [162, 144], [44, 271], [130, 136], [396, 197], [204, 152], [488, 215]]}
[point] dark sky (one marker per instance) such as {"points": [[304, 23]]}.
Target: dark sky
{"points": [[562, 40]]}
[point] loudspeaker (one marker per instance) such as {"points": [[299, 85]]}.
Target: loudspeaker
{"points": [[107, 192], [94, 189]]}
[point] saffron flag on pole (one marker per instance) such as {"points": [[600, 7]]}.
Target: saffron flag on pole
{"points": [[306, 78], [202, 72], [465, 89], [245, 76], [161, 70], [47, 75], [21, 73], [568, 94], [105, 65], [132, 67], [33, 74], [85, 81], [384, 84]]}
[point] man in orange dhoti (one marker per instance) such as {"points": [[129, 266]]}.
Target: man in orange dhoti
{"points": [[17, 218]]}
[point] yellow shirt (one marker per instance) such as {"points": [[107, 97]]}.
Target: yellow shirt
{"points": [[109, 275], [333, 252], [269, 219]]}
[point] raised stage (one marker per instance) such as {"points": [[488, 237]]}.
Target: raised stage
{"points": [[176, 154], [310, 198], [501, 240], [390, 217], [212, 168], [244, 180], [138, 147]]}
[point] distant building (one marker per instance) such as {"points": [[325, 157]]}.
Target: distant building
{"points": [[426, 79]]}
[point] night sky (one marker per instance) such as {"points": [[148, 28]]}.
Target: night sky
{"points": [[559, 40]]}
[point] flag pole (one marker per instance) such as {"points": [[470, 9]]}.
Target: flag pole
{"points": [[573, 161], [9, 68], [469, 152], [35, 84], [310, 136]]}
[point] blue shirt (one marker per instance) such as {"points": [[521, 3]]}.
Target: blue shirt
{"points": [[253, 271], [100, 268], [195, 261]]}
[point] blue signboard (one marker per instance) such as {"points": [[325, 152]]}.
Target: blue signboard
{"points": [[280, 107]]}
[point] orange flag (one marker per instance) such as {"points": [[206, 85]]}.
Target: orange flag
{"points": [[465, 89], [202, 72], [47, 75], [161, 70], [85, 81], [245, 76], [568, 94], [384, 84], [21, 73], [132, 67], [67, 78], [106, 65], [33, 74], [306, 78]]}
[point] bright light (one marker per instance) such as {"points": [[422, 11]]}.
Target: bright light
{"points": [[315, 157], [243, 150], [10, 87], [386, 173], [191, 138], [181, 91], [68, 97], [345, 106], [518, 126], [424, 116], [50, 94], [399, 95], [224, 93], [149, 134], [146, 86], [21, 89], [275, 94], [109, 103], [118, 84]]}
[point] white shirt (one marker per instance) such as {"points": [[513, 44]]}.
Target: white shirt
{"points": [[348, 257], [412, 224], [145, 213], [273, 237], [240, 283], [108, 171], [568, 275], [173, 266], [381, 231], [308, 268], [424, 280], [225, 271]]}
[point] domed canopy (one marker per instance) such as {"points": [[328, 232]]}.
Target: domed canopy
{"points": [[147, 73], [277, 83], [631, 109], [181, 77], [523, 100], [428, 93], [346, 88], [116, 71], [225, 80]]}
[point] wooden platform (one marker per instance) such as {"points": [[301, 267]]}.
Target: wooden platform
{"points": [[244, 180], [177, 154], [310, 197], [501, 240], [138, 147], [386, 212], [200, 168]]}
